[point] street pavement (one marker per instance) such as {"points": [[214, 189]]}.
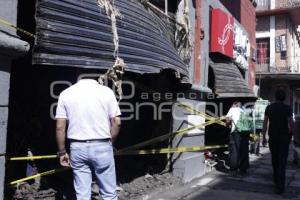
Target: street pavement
{"points": [[257, 185]]}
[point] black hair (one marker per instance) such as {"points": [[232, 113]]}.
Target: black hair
{"points": [[280, 95]]}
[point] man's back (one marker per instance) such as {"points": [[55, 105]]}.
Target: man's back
{"points": [[278, 114], [89, 107]]}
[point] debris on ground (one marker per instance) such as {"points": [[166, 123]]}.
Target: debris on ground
{"points": [[139, 188], [145, 185], [25, 191]]}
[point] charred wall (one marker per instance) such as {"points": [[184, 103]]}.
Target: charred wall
{"points": [[32, 107], [31, 110], [31, 124]]}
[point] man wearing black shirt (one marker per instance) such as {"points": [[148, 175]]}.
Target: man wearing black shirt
{"points": [[278, 116]]}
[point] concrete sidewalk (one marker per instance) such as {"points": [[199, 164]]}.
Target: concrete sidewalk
{"points": [[256, 185]]}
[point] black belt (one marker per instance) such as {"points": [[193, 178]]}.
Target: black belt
{"points": [[91, 141]]}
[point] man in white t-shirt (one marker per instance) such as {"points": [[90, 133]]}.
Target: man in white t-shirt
{"points": [[238, 142], [92, 113], [234, 114]]}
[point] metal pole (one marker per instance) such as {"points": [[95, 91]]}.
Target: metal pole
{"points": [[166, 7]]}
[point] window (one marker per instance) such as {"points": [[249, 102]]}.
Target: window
{"points": [[263, 51], [263, 5]]}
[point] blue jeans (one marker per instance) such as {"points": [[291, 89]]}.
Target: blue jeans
{"points": [[98, 157]]}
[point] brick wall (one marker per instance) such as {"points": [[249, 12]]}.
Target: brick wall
{"points": [[244, 12], [248, 21], [234, 6]]}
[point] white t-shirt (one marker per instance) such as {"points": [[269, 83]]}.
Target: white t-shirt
{"points": [[234, 114], [88, 106]]}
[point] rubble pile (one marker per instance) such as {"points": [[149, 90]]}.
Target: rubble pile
{"points": [[139, 188], [145, 185], [25, 191]]}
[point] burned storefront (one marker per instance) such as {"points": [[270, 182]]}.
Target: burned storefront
{"points": [[138, 42], [228, 59], [170, 63]]}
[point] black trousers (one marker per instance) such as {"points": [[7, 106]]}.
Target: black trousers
{"points": [[279, 148], [239, 151]]}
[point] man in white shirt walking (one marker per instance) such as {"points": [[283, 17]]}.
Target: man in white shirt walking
{"points": [[92, 113], [238, 141]]}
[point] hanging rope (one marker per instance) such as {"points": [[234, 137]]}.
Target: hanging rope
{"points": [[116, 72], [112, 13]]}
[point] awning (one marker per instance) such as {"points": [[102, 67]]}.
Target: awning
{"points": [[77, 33], [228, 81]]}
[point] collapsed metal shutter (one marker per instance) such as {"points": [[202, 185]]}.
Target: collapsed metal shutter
{"points": [[76, 33], [228, 81]]}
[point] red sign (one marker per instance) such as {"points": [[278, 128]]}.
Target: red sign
{"points": [[221, 39]]}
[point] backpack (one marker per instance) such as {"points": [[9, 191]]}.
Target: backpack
{"points": [[245, 123]]}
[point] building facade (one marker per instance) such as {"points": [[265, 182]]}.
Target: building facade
{"points": [[244, 12], [222, 70], [215, 66], [11, 47], [278, 51], [230, 69]]}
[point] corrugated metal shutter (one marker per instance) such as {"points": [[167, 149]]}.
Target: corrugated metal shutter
{"points": [[229, 81], [75, 33]]}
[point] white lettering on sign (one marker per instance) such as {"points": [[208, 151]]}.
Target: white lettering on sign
{"points": [[289, 3], [228, 28]]}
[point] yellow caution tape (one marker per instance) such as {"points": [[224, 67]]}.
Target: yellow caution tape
{"points": [[132, 149], [182, 105], [6, 23], [131, 152], [204, 115], [139, 145], [170, 150], [33, 157], [140, 152], [39, 175], [122, 151], [166, 136]]}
